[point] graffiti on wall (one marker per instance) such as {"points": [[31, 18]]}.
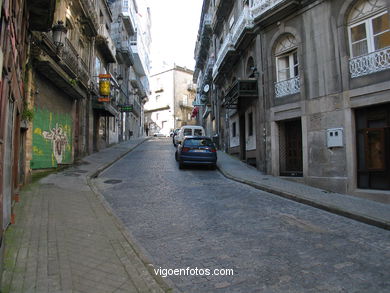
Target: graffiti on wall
{"points": [[52, 139]]}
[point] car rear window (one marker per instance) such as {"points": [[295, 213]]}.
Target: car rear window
{"points": [[187, 132], [194, 142], [197, 132]]}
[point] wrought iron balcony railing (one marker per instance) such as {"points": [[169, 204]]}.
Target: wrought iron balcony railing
{"points": [[259, 7], [105, 41], [83, 72], [91, 16], [70, 56], [244, 21], [370, 63], [287, 87], [225, 48]]}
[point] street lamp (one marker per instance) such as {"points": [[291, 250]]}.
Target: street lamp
{"points": [[59, 33]]}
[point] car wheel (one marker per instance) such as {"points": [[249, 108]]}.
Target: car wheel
{"points": [[181, 165], [176, 157], [213, 167]]}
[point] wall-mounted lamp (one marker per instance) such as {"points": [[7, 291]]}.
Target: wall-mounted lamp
{"points": [[255, 73], [59, 33]]}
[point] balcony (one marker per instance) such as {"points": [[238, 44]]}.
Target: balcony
{"points": [[185, 104], [370, 63], [240, 91], [141, 84], [222, 11], [41, 14], [83, 72], [90, 20], [61, 68], [140, 65], [204, 40], [105, 44], [128, 20], [287, 87], [191, 87], [270, 10], [70, 57], [244, 22], [226, 47], [207, 74], [123, 48]]}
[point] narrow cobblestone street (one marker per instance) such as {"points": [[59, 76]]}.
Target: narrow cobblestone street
{"points": [[199, 219]]}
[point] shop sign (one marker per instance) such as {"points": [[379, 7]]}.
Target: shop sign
{"points": [[104, 84], [103, 99], [126, 108]]}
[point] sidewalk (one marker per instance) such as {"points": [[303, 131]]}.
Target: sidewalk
{"points": [[66, 240], [360, 209]]}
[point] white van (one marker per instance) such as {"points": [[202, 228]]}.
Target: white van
{"points": [[188, 130]]}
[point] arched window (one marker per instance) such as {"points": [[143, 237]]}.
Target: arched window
{"points": [[250, 67], [286, 58], [368, 27], [287, 73]]}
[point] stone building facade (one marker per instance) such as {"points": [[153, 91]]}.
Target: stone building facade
{"points": [[301, 88], [13, 110], [170, 105]]}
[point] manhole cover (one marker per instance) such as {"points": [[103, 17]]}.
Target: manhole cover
{"points": [[113, 181]]}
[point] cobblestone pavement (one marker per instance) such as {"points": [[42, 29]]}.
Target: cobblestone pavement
{"points": [[64, 240], [199, 219]]}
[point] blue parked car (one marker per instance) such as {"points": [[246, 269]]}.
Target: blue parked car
{"points": [[196, 150]]}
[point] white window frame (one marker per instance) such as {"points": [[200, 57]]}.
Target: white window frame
{"points": [[369, 33], [291, 64]]}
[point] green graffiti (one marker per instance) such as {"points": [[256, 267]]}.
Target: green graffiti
{"points": [[52, 139]]}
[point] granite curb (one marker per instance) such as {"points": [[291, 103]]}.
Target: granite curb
{"points": [[320, 205], [165, 286]]}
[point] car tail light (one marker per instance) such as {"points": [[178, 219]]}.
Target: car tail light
{"points": [[213, 150], [184, 150]]}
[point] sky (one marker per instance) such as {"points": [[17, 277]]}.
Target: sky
{"points": [[175, 25]]}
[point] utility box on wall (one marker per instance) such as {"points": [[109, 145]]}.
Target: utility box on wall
{"points": [[334, 137]]}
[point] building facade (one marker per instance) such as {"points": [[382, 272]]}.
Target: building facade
{"points": [[13, 109], [170, 105], [301, 89]]}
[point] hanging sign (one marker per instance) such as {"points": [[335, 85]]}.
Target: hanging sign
{"points": [[104, 85], [103, 99], [126, 108]]}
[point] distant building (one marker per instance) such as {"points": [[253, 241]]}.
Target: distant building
{"points": [[300, 89], [170, 105]]}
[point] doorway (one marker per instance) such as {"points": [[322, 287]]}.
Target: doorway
{"points": [[290, 148], [373, 147]]}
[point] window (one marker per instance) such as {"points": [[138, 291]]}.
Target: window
{"points": [[250, 124], [198, 132], [287, 71], [97, 68], [368, 29], [287, 66], [187, 132], [185, 100], [234, 133]]}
